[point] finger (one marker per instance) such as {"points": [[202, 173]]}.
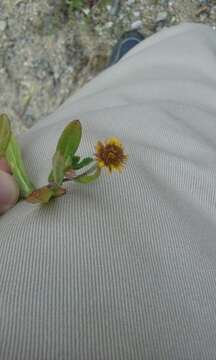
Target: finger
{"points": [[4, 166], [9, 192]]}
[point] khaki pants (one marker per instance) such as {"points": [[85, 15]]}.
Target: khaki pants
{"points": [[124, 268]]}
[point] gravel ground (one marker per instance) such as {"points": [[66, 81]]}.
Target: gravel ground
{"points": [[48, 51]]}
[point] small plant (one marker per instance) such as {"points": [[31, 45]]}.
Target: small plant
{"points": [[79, 4], [65, 163], [75, 4]]}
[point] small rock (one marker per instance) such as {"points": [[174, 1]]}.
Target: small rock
{"points": [[86, 11], [109, 25], [162, 16], [136, 24], [3, 25], [203, 2], [136, 13], [171, 4]]}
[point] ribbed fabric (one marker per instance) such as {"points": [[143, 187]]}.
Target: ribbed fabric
{"points": [[125, 268]]}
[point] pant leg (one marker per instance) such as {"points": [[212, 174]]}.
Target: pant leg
{"points": [[122, 269]]}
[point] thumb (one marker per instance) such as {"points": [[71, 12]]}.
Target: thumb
{"points": [[9, 191]]}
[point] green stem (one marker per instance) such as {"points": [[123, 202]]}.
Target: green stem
{"points": [[14, 159]]}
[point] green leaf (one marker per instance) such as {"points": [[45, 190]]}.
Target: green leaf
{"points": [[5, 134], [14, 158], [51, 178], [75, 4], [67, 145], [58, 168], [75, 160], [74, 166], [83, 163], [69, 141], [87, 179]]}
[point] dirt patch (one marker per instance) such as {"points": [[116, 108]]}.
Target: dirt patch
{"points": [[48, 51]]}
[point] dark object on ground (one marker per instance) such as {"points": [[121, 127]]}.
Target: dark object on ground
{"points": [[127, 41]]}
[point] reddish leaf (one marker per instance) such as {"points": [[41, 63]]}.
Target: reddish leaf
{"points": [[44, 194]]}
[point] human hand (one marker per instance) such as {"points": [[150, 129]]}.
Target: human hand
{"points": [[9, 190]]}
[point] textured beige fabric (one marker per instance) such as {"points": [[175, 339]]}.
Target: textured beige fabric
{"points": [[122, 269]]}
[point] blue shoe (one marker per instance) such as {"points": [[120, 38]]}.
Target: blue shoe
{"points": [[128, 40]]}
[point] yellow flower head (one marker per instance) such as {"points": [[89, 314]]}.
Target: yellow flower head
{"points": [[110, 155]]}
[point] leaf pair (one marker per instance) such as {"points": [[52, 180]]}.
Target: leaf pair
{"points": [[76, 165], [67, 146], [64, 159]]}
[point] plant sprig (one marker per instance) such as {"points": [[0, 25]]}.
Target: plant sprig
{"points": [[64, 162]]}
